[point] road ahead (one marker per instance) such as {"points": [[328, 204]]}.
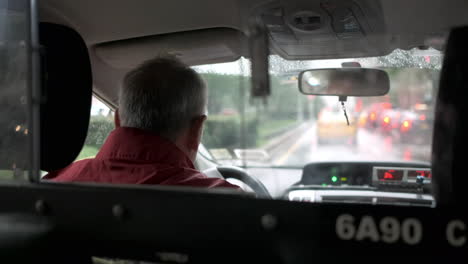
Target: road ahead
{"points": [[300, 149], [370, 147]]}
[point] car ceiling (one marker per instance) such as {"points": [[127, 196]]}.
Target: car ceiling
{"points": [[120, 33]]}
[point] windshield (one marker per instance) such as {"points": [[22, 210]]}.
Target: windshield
{"points": [[289, 130], [292, 129]]}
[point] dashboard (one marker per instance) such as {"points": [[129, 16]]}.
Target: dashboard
{"points": [[364, 173], [364, 182]]}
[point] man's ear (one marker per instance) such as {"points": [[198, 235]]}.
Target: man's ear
{"points": [[192, 137], [116, 118], [198, 123], [196, 130]]}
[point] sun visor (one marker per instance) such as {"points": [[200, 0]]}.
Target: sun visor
{"points": [[197, 47]]}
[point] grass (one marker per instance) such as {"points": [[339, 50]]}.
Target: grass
{"points": [[6, 174], [87, 152]]}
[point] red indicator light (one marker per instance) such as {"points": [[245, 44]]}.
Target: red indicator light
{"points": [[426, 174], [427, 59], [422, 117], [388, 176]]}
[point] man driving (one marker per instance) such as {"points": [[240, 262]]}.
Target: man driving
{"points": [[159, 125]]}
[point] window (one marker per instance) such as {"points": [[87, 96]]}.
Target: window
{"points": [[274, 140], [14, 159], [101, 123]]}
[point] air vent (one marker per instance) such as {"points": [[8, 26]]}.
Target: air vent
{"points": [[347, 199], [306, 21]]}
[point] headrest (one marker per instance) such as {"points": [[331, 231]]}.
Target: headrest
{"points": [[450, 129], [67, 91]]}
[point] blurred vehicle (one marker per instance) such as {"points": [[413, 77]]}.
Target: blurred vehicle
{"points": [[416, 127], [389, 122], [374, 113], [333, 128]]}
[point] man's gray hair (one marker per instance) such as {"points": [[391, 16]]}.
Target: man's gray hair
{"points": [[162, 95]]}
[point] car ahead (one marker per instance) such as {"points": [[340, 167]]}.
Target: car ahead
{"points": [[373, 115], [416, 127], [332, 127], [390, 121]]}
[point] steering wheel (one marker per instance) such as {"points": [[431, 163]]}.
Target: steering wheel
{"points": [[240, 174]]}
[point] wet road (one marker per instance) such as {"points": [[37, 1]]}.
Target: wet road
{"points": [[371, 146], [303, 148]]}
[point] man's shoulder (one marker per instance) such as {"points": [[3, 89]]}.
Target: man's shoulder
{"points": [[70, 170], [158, 174], [205, 181], [192, 177]]}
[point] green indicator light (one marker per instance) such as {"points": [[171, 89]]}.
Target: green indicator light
{"points": [[324, 184], [344, 179], [334, 179]]}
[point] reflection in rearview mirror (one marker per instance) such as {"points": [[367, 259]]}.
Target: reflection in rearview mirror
{"points": [[344, 82]]}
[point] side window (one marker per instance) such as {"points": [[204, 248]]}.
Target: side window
{"points": [[101, 124], [14, 129]]}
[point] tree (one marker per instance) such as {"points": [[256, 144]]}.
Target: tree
{"points": [[413, 77], [223, 91]]}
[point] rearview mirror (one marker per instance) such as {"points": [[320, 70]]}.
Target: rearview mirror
{"points": [[344, 82]]}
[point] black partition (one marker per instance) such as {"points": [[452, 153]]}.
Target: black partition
{"points": [[125, 222]]}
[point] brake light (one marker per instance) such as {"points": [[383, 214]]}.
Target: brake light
{"points": [[386, 120], [405, 126], [422, 117]]}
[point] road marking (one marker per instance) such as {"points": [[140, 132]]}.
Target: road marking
{"points": [[292, 149]]}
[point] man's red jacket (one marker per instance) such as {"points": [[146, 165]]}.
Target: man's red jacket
{"points": [[135, 156]]}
